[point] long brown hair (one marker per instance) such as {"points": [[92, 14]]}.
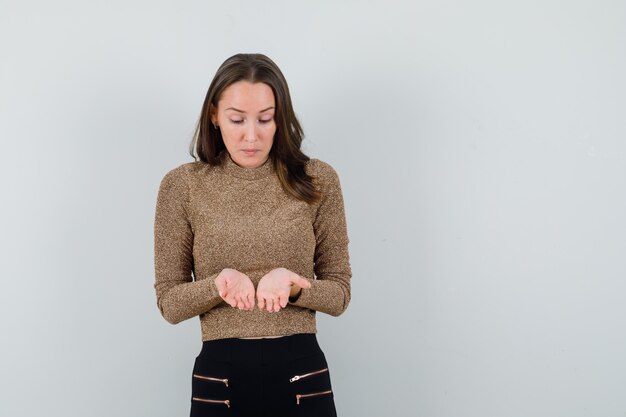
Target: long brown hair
{"points": [[289, 160]]}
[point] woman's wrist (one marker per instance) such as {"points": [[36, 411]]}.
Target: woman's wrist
{"points": [[295, 291]]}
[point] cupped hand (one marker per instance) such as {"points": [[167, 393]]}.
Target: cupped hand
{"points": [[276, 286], [236, 289]]}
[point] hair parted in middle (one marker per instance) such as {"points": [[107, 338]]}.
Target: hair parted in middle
{"points": [[288, 159]]}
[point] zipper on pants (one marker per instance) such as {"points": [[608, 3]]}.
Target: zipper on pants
{"points": [[297, 377], [206, 400], [313, 394], [210, 378]]}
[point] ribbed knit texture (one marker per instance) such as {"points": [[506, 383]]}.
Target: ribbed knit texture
{"points": [[213, 217]]}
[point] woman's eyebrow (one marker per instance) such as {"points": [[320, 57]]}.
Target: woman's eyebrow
{"points": [[241, 111]]}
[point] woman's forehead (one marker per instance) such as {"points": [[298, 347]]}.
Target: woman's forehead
{"points": [[245, 96]]}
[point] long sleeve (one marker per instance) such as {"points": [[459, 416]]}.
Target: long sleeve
{"points": [[330, 291], [178, 296]]}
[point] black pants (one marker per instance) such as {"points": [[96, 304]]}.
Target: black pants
{"points": [[282, 377]]}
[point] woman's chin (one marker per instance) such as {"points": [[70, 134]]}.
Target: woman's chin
{"points": [[251, 159]]}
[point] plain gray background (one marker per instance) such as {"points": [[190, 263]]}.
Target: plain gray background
{"points": [[481, 150]]}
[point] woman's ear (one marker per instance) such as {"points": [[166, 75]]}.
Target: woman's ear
{"points": [[213, 113]]}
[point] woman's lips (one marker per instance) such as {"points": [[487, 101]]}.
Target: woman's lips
{"points": [[250, 151]]}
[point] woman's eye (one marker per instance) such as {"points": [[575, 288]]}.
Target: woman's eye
{"points": [[265, 120], [236, 121]]}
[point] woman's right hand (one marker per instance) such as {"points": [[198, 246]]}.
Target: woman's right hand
{"points": [[236, 289]]}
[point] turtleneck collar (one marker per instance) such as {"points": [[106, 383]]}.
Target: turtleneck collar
{"points": [[230, 167]]}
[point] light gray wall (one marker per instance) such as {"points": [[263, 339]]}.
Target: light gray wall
{"points": [[481, 148]]}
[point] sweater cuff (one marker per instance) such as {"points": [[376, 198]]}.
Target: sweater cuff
{"points": [[208, 290], [306, 295]]}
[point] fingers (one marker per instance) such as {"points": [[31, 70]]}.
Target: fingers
{"points": [[220, 288], [238, 300], [236, 292], [234, 300], [226, 296], [246, 301], [240, 303], [271, 304], [282, 300], [302, 283]]}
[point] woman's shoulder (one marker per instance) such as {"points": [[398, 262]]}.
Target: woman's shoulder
{"points": [[322, 170], [187, 169], [181, 174], [316, 166]]}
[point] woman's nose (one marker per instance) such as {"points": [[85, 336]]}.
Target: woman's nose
{"points": [[250, 134]]}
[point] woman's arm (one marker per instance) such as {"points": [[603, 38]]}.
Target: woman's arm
{"points": [[330, 291], [178, 296]]}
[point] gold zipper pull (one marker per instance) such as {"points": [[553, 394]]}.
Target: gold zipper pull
{"points": [[297, 377], [298, 396]]}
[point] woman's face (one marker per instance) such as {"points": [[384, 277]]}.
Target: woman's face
{"points": [[245, 116]]}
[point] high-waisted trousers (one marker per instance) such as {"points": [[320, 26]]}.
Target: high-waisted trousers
{"points": [[280, 377]]}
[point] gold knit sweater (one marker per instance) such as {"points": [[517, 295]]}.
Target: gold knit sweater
{"points": [[213, 217]]}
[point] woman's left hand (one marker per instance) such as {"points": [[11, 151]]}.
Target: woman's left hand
{"points": [[275, 287]]}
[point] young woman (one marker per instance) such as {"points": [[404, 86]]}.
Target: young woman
{"points": [[252, 238]]}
